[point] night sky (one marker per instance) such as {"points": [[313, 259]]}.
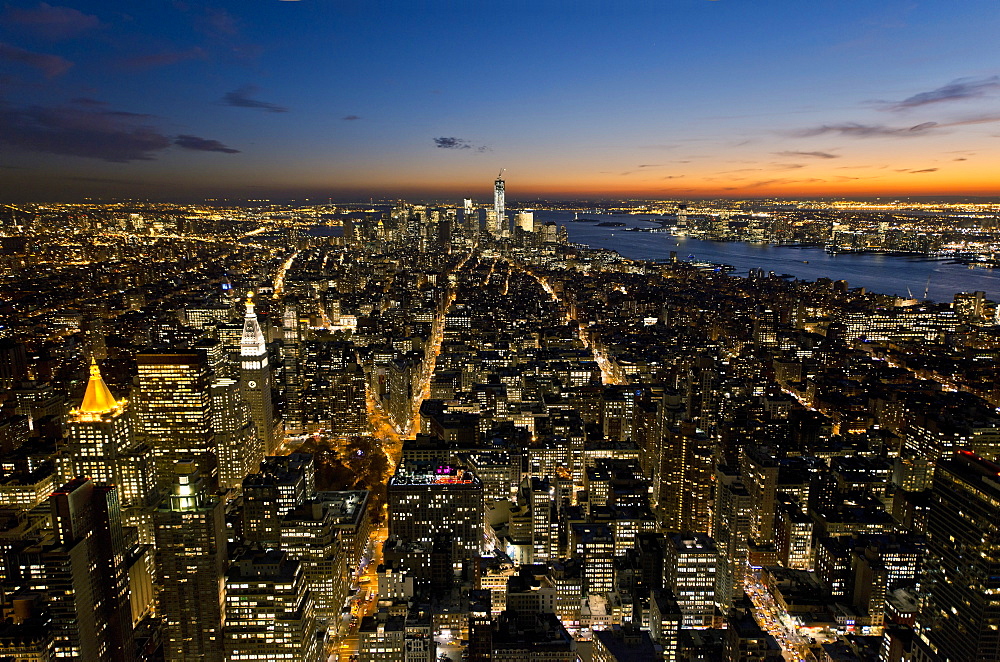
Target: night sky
{"points": [[351, 99]]}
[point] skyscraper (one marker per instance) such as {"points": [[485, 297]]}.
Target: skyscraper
{"points": [[255, 377], [426, 499], [961, 581], [689, 570], [84, 574], [239, 449], [267, 582], [291, 351], [174, 408], [191, 562], [525, 220], [100, 445], [498, 204]]}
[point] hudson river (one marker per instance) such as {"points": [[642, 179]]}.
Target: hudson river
{"points": [[876, 273]]}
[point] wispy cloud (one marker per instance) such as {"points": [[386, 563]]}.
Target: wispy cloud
{"points": [[957, 90], [915, 172], [50, 65], [855, 130], [350, 118], [241, 98], [458, 143], [203, 144], [51, 22], [91, 132], [817, 155], [772, 182], [104, 135]]}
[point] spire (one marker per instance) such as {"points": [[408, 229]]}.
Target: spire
{"points": [[97, 399], [252, 343]]}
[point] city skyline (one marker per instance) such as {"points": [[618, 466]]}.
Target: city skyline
{"points": [[426, 433], [686, 99]]}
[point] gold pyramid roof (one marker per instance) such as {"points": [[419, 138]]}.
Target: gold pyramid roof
{"points": [[97, 399]]}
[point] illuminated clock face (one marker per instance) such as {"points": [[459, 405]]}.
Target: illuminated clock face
{"points": [[252, 384]]}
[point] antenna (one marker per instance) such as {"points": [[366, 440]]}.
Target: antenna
{"points": [[501, 173]]}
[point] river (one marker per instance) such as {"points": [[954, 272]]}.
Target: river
{"points": [[900, 276]]}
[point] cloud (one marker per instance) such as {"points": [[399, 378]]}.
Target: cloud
{"points": [[50, 65], [91, 132], [458, 143], [818, 155], [914, 172], [203, 144], [52, 22], [452, 143], [982, 119], [241, 99], [164, 59], [650, 165], [104, 135], [855, 130], [350, 118], [957, 90]]}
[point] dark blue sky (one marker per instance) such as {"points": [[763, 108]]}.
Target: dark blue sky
{"points": [[677, 98]]}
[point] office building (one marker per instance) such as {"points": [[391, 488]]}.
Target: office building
{"points": [[961, 579], [191, 562], [689, 571], [255, 378], [429, 499], [82, 574], [240, 451], [269, 609], [174, 412], [100, 445]]}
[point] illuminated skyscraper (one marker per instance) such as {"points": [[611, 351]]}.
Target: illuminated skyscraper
{"points": [[191, 562], [426, 500], [284, 483], [269, 609], [525, 220], [174, 409], [239, 449], [961, 581], [100, 445], [83, 575], [255, 378], [498, 204], [291, 351], [689, 570]]}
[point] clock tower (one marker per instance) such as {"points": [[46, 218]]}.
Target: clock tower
{"points": [[255, 378]]}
